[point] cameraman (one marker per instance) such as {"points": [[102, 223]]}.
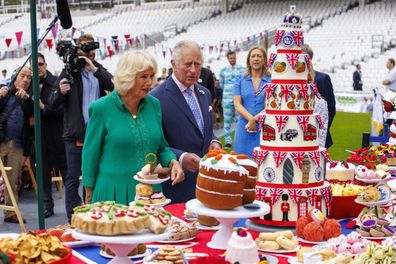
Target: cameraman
{"points": [[88, 85], [15, 114]]}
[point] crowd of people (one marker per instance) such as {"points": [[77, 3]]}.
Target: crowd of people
{"points": [[101, 126]]}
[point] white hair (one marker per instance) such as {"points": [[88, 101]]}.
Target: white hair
{"points": [[183, 44]]}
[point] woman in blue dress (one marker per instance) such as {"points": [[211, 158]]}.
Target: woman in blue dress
{"points": [[249, 101]]}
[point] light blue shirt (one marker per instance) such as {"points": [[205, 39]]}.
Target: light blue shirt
{"points": [[90, 92]]}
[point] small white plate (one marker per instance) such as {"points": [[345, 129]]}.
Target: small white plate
{"points": [[280, 251], [189, 218], [392, 184], [156, 205], [381, 202], [271, 259], [210, 228], [294, 260], [10, 235], [176, 241], [78, 244], [148, 252], [154, 181], [374, 180], [309, 242]]}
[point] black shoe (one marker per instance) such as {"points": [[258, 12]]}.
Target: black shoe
{"points": [[48, 213], [13, 219], [227, 146]]}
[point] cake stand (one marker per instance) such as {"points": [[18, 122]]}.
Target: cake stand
{"points": [[227, 219], [121, 245]]}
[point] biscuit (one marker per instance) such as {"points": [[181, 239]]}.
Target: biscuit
{"points": [[268, 236], [272, 245], [285, 243], [144, 189]]}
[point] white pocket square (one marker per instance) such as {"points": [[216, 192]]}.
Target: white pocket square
{"points": [[210, 108]]}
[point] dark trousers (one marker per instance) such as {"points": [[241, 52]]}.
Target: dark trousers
{"points": [[285, 216], [72, 181]]}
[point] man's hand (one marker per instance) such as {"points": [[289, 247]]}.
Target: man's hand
{"points": [[4, 91], [90, 67], [22, 94], [177, 173], [191, 162], [41, 105], [215, 146], [64, 86], [88, 195]]}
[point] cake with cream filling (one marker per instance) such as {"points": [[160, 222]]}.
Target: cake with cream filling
{"points": [[242, 248]]}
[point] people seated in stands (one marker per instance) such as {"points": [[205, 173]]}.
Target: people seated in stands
{"points": [[16, 110], [248, 103], [123, 128]]}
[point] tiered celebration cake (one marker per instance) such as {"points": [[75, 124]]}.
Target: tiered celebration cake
{"points": [[291, 164]]}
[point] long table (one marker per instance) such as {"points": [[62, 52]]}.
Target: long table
{"points": [[91, 254]]}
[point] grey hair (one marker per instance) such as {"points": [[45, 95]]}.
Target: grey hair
{"points": [[183, 44], [307, 50]]}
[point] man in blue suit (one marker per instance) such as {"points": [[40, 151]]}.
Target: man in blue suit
{"points": [[186, 117], [325, 88]]}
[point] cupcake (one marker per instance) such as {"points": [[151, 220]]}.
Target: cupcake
{"points": [[369, 224]]}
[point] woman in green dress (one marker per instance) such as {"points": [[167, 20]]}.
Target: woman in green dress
{"points": [[123, 128]]}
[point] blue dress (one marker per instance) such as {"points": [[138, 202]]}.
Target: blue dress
{"points": [[244, 142]]}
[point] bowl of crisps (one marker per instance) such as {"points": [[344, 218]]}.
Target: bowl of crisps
{"points": [[66, 259]]}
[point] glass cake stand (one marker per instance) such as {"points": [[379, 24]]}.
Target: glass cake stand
{"points": [[121, 245], [227, 219]]}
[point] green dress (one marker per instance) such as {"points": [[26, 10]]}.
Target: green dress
{"points": [[116, 145]]}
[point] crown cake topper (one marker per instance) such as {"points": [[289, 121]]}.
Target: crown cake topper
{"points": [[292, 19]]}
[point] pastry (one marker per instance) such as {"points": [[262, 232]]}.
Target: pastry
{"points": [[382, 222], [271, 245], [286, 243], [157, 197], [144, 189], [369, 224], [388, 231], [376, 233], [301, 251], [207, 220], [364, 233]]}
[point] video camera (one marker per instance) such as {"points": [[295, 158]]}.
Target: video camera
{"points": [[68, 52]]}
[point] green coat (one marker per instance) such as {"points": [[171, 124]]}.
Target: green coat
{"points": [[116, 145]]}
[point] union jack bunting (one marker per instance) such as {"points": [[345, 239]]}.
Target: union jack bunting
{"points": [[298, 158], [254, 155], [260, 193], [278, 36], [260, 156], [279, 156], [260, 89], [326, 193], [271, 59], [295, 195], [303, 90], [281, 122], [298, 37], [275, 193], [286, 90], [308, 61], [315, 89], [315, 157], [326, 155], [303, 121], [311, 195], [320, 121], [270, 88], [292, 59], [261, 121]]}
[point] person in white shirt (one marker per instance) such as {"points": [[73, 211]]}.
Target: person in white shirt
{"points": [[4, 79], [390, 80]]}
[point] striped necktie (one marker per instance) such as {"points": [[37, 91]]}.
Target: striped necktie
{"points": [[195, 109]]}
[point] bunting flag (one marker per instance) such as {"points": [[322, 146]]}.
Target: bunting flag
{"points": [[18, 36], [275, 193], [260, 193], [109, 51], [270, 88], [315, 157], [281, 122], [278, 36], [298, 158], [286, 90], [54, 30], [49, 43], [128, 39], [315, 89], [298, 37], [311, 196], [271, 59], [292, 59], [303, 90], [308, 61], [115, 43], [303, 121], [260, 156], [8, 42], [295, 195], [326, 193], [326, 155], [261, 121], [260, 89], [136, 42], [320, 121], [278, 157]]}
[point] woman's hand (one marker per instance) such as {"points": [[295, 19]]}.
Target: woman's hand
{"points": [[251, 126], [88, 195], [177, 173]]}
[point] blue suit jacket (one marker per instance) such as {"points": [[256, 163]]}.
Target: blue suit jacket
{"points": [[182, 132], [325, 87]]}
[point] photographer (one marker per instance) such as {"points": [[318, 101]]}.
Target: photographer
{"points": [[16, 131], [77, 93]]}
